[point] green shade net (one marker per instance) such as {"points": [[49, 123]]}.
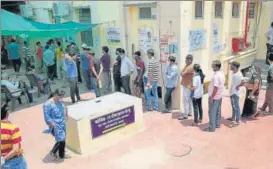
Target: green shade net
{"points": [[15, 25]]}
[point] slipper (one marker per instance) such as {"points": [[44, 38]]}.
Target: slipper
{"points": [[230, 119], [234, 125], [208, 129]]}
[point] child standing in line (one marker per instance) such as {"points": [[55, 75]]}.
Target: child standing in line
{"points": [[197, 93], [237, 81]]}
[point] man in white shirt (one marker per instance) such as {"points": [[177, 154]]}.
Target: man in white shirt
{"points": [[216, 91], [236, 82], [269, 44]]}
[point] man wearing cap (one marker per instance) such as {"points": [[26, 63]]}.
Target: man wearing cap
{"points": [[85, 61], [11, 148]]}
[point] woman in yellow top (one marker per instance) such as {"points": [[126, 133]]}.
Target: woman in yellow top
{"points": [[59, 53]]}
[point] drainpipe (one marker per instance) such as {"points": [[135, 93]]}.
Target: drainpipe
{"points": [[246, 24]]}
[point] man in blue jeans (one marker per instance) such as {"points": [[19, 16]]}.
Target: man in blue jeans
{"points": [[95, 69], [171, 83], [85, 62], [152, 83], [216, 91], [236, 82]]}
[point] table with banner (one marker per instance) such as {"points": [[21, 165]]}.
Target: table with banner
{"points": [[99, 123]]}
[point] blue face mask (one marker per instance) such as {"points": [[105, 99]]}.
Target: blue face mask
{"points": [[122, 56]]}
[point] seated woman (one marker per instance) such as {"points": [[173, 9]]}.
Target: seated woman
{"points": [[13, 83], [44, 85], [252, 93]]}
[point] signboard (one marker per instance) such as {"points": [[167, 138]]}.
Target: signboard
{"points": [[113, 35], [145, 39], [110, 122], [197, 39]]}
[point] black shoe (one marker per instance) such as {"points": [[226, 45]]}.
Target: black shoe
{"points": [[166, 111], [182, 118]]}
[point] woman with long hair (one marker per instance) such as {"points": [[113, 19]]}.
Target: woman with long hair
{"points": [[55, 117], [197, 93], [252, 93]]}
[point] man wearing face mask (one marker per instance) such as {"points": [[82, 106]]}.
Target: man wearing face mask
{"points": [[126, 69], [216, 91]]}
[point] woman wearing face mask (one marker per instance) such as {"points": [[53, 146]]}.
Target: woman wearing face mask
{"points": [[253, 88], [55, 117]]}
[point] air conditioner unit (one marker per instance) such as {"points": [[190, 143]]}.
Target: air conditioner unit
{"points": [[237, 44], [61, 9], [27, 11]]}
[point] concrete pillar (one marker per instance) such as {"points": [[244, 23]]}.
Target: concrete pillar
{"points": [[186, 13]]}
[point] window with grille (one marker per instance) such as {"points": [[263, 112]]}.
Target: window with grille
{"points": [[251, 12], [218, 9], [146, 13], [85, 17], [235, 9], [199, 10]]}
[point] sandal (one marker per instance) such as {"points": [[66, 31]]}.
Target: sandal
{"points": [[230, 119], [208, 129], [234, 125]]}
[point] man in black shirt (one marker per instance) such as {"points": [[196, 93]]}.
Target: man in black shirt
{"points": [[116, 72]]}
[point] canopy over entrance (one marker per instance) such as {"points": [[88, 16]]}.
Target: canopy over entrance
{"points": [[15, 25]]}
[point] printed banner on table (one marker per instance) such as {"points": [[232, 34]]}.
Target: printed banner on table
{"points": [[110, 122], [145, 39], [197, 39], [113, 35]]}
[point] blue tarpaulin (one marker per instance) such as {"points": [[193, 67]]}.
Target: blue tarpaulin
{"points": [[15, 25]]}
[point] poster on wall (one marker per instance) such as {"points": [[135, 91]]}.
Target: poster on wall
{"points": [[145, 39], [168, 47], [197, 39], [113, 35], [216, 47]]}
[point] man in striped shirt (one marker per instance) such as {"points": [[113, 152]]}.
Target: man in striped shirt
{"points": [[11, 151], [153, 76], [26, 55]]}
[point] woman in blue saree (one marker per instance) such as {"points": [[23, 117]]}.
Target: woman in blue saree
{"points": [[55, 117]]}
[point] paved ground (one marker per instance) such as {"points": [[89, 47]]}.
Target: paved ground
{"points": [[248, 146]]}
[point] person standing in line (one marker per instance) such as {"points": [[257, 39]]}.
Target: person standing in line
{"points": [[252, 93], [11, 148], [85, 61], [216, 91], [197, 91], [237, 82], [105, 67], [95, 68], [13, 50], [152, 83], [126, 69], [116, 72], [74, 49], [48, 59], [186, 82], [72, 74], [39, 58], [55, 115], [59, 53], [268, 102], [269, 44], [138, 82], [171, 83]]}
